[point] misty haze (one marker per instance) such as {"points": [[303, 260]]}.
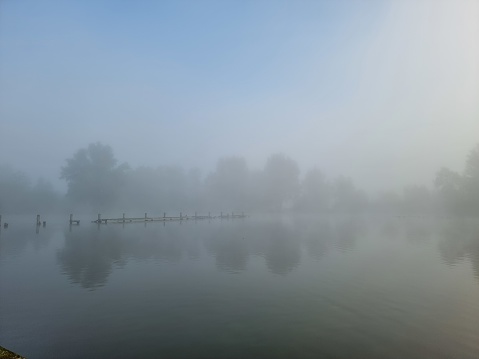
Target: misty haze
{"points": [[239, 179]]}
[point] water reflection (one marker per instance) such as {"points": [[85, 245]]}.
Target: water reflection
{"points": [[89, 254], [459, 239], [347, 231], [15, 239]]}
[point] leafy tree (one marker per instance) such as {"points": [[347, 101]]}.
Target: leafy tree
{"points": [[315, 192], [346, 198], [471, 180], [228, 185], [93, 176], [281, 180]]}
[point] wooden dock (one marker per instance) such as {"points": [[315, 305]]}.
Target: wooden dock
{"points": [[163, 218]]}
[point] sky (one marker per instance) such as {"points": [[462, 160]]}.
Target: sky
{"points": [[385, 92]]}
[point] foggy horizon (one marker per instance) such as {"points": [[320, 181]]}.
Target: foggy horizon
{"points": [[382, 92]]}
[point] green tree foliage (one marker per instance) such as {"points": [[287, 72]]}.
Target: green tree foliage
{"points": [[93, 176]]}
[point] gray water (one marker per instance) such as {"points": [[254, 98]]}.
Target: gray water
{"points": [[260, 287]]}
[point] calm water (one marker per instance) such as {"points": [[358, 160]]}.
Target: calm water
{"points": [[261, 287]]}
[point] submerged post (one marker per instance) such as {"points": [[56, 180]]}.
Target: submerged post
{"points": [[71, 218], [38, 220]]}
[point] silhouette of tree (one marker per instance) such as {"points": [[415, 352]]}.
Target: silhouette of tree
{"points": [[93, 176], [281, 180], [471, 179], [228, 185], [315, 192]]}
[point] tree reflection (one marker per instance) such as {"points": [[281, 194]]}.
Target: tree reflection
{"points": [[283, 252], [89, 255], [347, 230], [459, 239], [230, 248], [318, 237]]}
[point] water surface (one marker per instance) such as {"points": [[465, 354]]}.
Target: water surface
{"points": [[265, 287]]}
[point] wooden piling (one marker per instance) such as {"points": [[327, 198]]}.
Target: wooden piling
{"points": [[99, 218], [123, 218], [71, 218], [38, 220]]}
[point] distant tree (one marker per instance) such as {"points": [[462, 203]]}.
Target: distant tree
{"points": [[17, 195], [472, 165], [314, 192], [450, 187], [346, 198], [281, 181], [387, 202], [471, 180], [93, 176], [228, 185], [15, 188], [417, 199]]}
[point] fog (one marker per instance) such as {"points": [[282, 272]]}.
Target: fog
{"points": [[248, 106]]}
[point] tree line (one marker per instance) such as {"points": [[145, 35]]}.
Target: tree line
{"points": [[97, 181]]}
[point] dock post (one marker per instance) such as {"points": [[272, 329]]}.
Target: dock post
{"points": [[180, 215], [123, 218], [0, 220], [164, 214], [71, 218], [146, 216], [99, 218], [209, 214], [38, 220]]}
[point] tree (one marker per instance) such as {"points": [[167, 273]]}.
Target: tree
{"points": [[346, 198], [281, 175], [315, 192], [93, 176], [228, 185], [471, 180]]}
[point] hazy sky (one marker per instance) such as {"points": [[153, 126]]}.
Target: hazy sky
{"points": [[383, 91]]}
